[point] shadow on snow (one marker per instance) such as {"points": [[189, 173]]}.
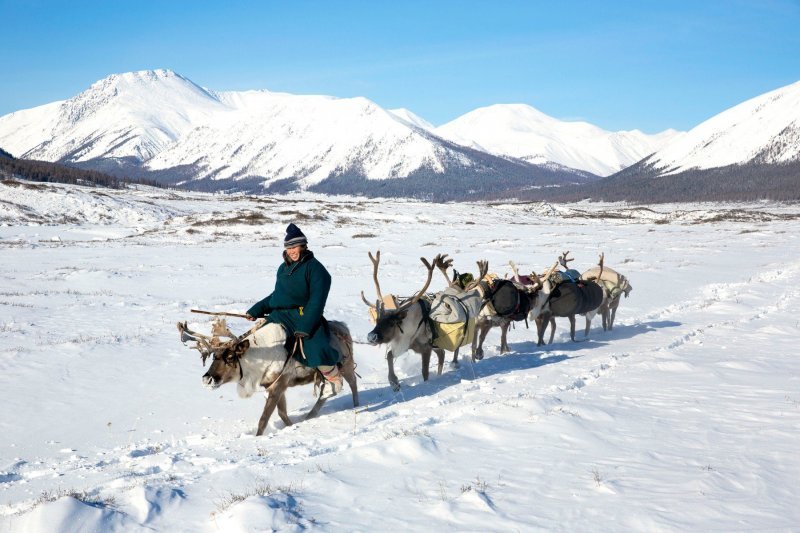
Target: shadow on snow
{"points": [[523, 356]]}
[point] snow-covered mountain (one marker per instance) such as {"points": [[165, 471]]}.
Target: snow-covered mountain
{"points": [[133, 115], [306, 138], [523, 132], [762, 130], [412, 118], [161, 123]]}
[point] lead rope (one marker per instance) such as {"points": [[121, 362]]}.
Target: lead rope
{"points": [[298, 342]]}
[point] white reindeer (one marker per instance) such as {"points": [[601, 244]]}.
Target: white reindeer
{"points": [[614, 285], [258, 359]]}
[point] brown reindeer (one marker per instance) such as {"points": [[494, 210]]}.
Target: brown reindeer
{"points": [[258, 359], [567, 300]]}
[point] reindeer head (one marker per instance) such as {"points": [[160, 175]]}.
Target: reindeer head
{"points": [[226, 365], [225, 355], [388, 326], [389, 322]]}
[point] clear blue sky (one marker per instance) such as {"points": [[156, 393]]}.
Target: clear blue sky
{"points": [[643, 64]]}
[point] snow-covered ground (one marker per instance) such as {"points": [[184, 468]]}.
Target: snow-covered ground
{"points": [[685, 417]]}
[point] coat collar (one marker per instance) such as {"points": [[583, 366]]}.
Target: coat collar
{"points": [[305, 255]]}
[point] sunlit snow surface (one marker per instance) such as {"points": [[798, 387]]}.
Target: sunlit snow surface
{"points": [[685, 417]]}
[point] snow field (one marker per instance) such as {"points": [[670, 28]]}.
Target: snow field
{"points": [[684, 416]]}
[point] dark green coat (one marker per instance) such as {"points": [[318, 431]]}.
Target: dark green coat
{"points": [[297, 303]]}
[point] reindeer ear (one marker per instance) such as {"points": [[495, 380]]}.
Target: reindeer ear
{"points": [[241, 348]]}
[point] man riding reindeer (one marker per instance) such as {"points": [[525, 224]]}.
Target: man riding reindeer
{"points": [[297, 303]]}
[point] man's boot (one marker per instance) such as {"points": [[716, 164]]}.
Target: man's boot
{"points": [[333, 380]]}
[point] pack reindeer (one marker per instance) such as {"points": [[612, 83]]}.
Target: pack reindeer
{"points": [[614, 286], [406, 325], [259, 360], [566, 299], [528, 288], [403, 327], [458, 284], [487, 319]]}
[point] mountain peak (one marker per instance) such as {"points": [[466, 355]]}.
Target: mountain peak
{"points": [[524, 132], [765, 128]]}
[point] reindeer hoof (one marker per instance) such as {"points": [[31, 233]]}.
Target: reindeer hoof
{"points": [[455, 364], [396, 387]]}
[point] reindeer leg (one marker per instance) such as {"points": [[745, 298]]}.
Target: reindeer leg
{"points": [[440, 356], [426, 361], [274, 393], [317, 406], [349, 376], [611, 319], [572, 327], [484, 330], [540, 325], [503, 334], [282, 410], [552, 329], [475, 340], [393, 381]]}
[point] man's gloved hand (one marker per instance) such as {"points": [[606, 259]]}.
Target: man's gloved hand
{"points": [[250, 318]]}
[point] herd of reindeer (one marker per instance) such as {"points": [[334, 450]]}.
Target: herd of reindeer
{"points": [[260, 359]]}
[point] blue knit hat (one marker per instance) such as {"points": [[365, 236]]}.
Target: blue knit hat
{"points": [[294, 237]]}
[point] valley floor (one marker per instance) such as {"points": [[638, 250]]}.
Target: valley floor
{"points": [[684, 417]]}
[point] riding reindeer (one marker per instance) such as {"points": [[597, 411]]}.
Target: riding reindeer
{"points": [[614, 285], [259, 359]]}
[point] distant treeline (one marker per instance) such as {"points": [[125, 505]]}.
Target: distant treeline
{"points": [[43, 171], [491, 179], [642, 184]]}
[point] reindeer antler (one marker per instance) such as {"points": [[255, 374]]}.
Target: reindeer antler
{"points": [[442, 262], [539, 280], [483, 269], [563, 259], [516, 273], [600, 263], [375, 262], [416, 297], [203, 342]]}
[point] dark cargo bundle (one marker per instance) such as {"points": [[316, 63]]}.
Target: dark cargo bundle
{"points": [[575, 298], [509, 301]]}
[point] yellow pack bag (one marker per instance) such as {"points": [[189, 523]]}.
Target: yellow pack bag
{"points": [[451, 336]]}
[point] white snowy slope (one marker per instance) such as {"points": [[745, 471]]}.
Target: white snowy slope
{"points": [[412, 118], [683, 418], [160, 120], [521, 131], [765, 129], [278, 136], [132, 115]]}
